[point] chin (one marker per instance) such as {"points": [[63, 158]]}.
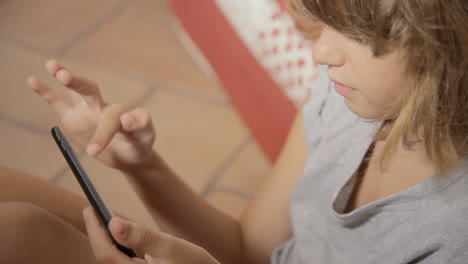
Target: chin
{"points": [[363, 110]]}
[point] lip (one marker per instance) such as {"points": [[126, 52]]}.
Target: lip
{"points": [[343, 89]]}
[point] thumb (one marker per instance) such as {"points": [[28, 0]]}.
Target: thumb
{"points": [[162, 247], [135, 236]]}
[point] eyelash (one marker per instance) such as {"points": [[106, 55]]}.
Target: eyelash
{"points": [[362, 41]]}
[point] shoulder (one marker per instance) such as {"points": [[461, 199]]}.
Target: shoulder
{"points": [[448, 209]]}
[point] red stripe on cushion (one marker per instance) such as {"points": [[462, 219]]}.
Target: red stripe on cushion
{"points": [[266, 110], [282, 3]]}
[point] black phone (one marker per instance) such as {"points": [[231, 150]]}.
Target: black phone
{"points": [[86, 184]]}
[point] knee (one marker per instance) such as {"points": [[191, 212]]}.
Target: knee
{"points": [[4, 171], [23, 226], [21, 214]]}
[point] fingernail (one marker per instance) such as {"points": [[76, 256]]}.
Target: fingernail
{"points": [[127, 120], [62, 73], [64, 76], [93, 149], [50, 62], [123, 228], [31, 82]]}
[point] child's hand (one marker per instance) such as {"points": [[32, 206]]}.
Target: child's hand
{"points": [[120, 137], [155, 246]]}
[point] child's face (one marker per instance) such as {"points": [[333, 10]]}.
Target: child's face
{"points": [[369, 85]]}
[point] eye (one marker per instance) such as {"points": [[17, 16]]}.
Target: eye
{"points": [[359, 39], [362, 41]]}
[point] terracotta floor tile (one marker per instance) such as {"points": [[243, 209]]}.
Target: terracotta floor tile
{"points": [[231, 204], [18, 101], [114, 88], [114, 189], [21, 103], [142, 41], [196, 138], [29, 152], [149, 9], [51, 23], [247, 172]]}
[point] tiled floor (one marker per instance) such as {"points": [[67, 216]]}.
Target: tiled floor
{"points": [[131, 49]]}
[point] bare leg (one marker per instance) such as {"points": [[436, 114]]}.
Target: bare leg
{"points": [[33, 235], [18, 186]]}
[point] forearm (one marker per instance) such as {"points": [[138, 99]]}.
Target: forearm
{"points": [[167, 196]]}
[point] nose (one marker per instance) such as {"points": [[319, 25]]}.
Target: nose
{"points": [[325, 50]]}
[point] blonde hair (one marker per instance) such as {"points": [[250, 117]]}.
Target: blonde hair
{"points": [[433, 107]]}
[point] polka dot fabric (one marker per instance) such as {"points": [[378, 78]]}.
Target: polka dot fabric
{"points": [[269, 33]]}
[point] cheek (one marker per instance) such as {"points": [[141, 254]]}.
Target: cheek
{"points": [[385, 94], [379, 81], [376, 98], [389, 79]]}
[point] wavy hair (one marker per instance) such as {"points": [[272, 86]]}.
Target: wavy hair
{"points": [[433, 107]]}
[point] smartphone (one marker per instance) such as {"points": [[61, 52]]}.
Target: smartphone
{"points": [[86, 184]]}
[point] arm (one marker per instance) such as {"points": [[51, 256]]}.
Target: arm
{"points": [[123, 139], [250, 240]]}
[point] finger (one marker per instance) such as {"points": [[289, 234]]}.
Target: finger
{"points": [[138, 237], [53, 67], [138, 122], [87, 89], [139, 261], [135, 120], [103, 248], [107, 128], [52, 97]]}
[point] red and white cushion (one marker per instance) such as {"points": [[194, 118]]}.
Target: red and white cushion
{"points": [[261, 60], [269, 33]]}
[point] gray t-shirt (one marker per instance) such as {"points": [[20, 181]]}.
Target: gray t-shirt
{"points": [[427, 223]]}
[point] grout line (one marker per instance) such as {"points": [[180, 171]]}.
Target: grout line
{"points": [[192, 49], [29, 46], [93, 27], [235, 191], [179, 90], [168, 86], [218, 174], [33, 129], [24, 125], [4, 1], [171, 87], [147, 95]]}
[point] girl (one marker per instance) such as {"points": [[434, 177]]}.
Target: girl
{"points": [[383, 178]]}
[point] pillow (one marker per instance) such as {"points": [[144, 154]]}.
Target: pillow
{"points": [[260, 59], [269, 33]]}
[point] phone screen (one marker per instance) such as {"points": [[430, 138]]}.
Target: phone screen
{"points": [[86, 184]]}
